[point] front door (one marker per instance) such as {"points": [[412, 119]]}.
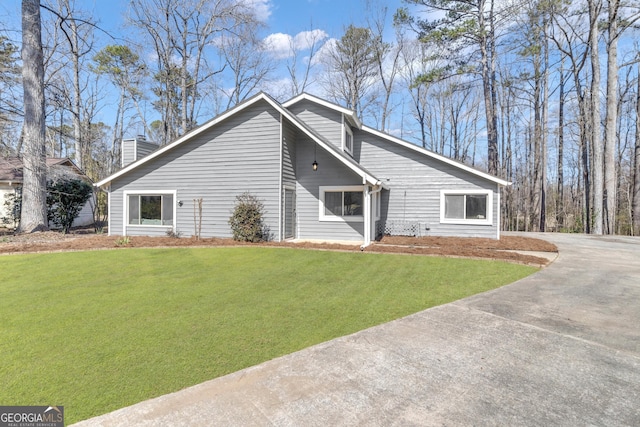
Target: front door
{"points": [[289, 213]]}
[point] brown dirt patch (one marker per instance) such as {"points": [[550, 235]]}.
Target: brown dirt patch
{"points": [[502, 249]]}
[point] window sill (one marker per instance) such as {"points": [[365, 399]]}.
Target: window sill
{"points": [[341, 219], [465, 221], [150, 225]]}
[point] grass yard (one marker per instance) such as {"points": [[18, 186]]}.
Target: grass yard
{"points": [[95, 331]]}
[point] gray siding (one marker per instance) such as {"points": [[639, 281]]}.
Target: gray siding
{"points": [[135, 149], [240, 154], [330, 173], [127, 152], [414, 182], [145, 148], [289, 145], [325, 122], [289, 136]]}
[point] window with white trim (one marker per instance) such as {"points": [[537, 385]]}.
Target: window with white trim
{"points": [[150, 209], [466, 207], [348, 140], [342, 203]]}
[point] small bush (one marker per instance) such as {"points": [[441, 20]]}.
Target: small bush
{"points": [[174, 234], [247, 220], [13, 206], [65, 199], [123, 241]]}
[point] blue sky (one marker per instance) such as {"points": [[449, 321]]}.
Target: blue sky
{"points": [[284, 18]]}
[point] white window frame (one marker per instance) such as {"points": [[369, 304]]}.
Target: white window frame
{"points": [[331, 189], [345, 147], [125, 213], [486, 221]]}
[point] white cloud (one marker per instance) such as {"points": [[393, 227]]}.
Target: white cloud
{"points": [[261, 8], [325, 51], [279, 45], [283, 45], [306, 39]]}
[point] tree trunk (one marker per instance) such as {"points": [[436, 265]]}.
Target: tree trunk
{"points": [[596, 140], [544, 136], [33, 216], [118, 133], [636, 169], [536, 152], [77, 94], [610, 141], [487, 51], [560, 189]]}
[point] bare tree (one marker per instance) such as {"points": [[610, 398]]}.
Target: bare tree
{"points": [[387, 58], [567, 36], [10, 100], [304, 48], [351, 67], [635, 212], [413, 66], [597, 149], [616, 25], [470, 24], [77, 32], [247, 61], [34, 198], [182, 33], [125, 71]]}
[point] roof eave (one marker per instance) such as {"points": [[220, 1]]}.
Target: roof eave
{"points": [[184, 138], [436, 156], [343, 110]]}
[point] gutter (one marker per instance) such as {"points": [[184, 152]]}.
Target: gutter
{"points": [[377, 188]]}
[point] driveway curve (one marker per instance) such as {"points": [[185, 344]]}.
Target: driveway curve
{"points": [[561, 347]]}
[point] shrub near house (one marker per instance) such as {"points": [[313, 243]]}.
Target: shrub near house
{"points": [[65, 199], [246, 221], [58, 169]]}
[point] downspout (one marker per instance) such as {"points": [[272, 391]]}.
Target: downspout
{"points": [[499, 209], [280, 185], [369, 220]]}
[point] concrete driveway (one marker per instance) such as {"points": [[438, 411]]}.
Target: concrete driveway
{"points": [[561, 347]]}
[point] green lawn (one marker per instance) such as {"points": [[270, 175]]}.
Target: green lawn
{"points": [[96, 331]]}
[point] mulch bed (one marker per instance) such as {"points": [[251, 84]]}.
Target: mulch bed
{"points": [[51, 241]]}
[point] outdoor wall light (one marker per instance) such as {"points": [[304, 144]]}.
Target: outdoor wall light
{"points": [[314, 164], [180, 203]]}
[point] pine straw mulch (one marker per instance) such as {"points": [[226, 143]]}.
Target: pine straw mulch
{"points": [[508, 248]]}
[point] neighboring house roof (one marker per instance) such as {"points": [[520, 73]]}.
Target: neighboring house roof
{"points": [[367, 177], [11, 167]]}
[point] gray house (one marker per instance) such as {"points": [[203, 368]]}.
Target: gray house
{"points": [[320, 173]]}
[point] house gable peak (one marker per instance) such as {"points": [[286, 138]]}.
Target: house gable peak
{"points": [[349, 115]]}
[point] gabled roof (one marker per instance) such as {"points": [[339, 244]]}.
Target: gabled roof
{"points": [[11, 167], [351, 115], [435, 156], [367, 177], [354, 166]]}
